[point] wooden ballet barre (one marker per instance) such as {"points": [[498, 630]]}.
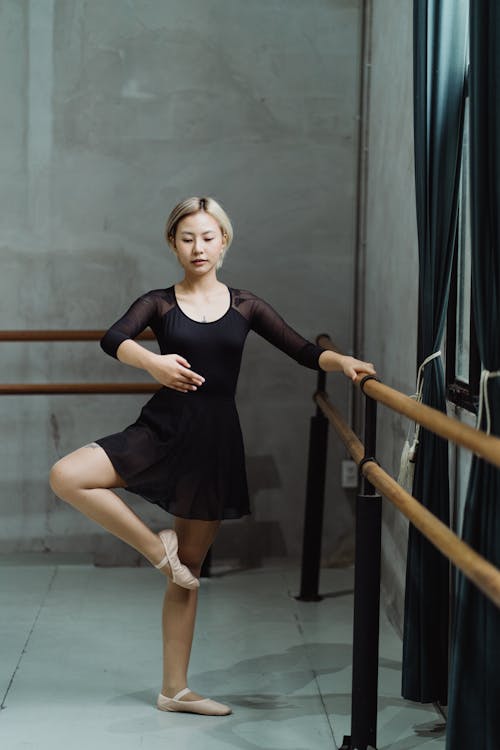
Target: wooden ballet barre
{"points": [[483, 445], [481, 572], [33, 389], [63, 335], [351, 441]]}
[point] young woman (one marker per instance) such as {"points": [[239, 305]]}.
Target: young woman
{"points": [[185, 451]]}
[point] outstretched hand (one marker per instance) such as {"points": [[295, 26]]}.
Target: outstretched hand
{"points": [[174, 371], [352, 367]]}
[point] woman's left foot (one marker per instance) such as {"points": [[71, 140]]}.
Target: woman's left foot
{"points": [[203, 706]]}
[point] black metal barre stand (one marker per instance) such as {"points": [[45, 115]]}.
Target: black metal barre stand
{"points": [[206, 568], [367, 568], [365, 640], [315, 498]]}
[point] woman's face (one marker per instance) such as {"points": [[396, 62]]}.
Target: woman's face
{"points": [[198, 243]]}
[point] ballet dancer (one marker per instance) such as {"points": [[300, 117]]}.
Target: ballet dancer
{"points": [[185, 450]]}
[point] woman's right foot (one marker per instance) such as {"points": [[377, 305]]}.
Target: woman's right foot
{"points": [[160, 560]]}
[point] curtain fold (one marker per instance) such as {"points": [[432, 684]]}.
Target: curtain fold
{"points": [[474, 710], [439, 59]]}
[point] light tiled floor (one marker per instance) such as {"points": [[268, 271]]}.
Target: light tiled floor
{"points": [[80, 663]]}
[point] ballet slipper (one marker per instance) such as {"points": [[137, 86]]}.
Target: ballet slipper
{"points": [[203, 706], [181, 575]]}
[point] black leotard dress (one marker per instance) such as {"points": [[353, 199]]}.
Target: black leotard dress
{"points": [[185, 451]]}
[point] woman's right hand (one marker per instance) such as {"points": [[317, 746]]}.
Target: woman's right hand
{"points": [[174, 371]]}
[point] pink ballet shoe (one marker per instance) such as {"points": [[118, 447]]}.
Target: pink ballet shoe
{"points": [[181, 575], [204, 706]]}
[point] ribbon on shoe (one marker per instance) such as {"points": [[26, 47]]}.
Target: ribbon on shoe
{"points": [[484, 402], [409, 452], [203, 706], [181, 575]]}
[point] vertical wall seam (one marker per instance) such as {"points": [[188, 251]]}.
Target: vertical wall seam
{"points": [[40, 36], [359, 303]]}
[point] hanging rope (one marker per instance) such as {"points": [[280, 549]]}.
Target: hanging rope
{"points": [[409, 452], [484, 401]]}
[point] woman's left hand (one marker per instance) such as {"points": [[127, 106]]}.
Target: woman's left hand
{"points": [[351, 367]]}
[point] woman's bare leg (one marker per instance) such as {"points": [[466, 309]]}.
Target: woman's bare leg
{"points": [[179, 606], [83, 479]]}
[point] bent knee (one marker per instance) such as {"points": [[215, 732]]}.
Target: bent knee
{"points": [[62, 478]]}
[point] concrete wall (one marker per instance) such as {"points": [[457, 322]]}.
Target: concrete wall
{"points": [[391, 288], [110, 114]]}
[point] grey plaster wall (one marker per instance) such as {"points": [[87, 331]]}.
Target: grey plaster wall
{"points": [[111, 112], [391, 287]]}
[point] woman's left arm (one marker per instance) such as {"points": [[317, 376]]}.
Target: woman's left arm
{"points": [[270, 325], [351, 367]]}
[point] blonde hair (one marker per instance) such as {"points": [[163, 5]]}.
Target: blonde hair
{"points": [[193, 205]]}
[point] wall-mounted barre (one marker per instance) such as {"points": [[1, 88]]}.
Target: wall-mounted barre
{"points": [[32, 389]]}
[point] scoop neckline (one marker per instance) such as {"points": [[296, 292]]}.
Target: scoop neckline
{"points": [[206, 322]]}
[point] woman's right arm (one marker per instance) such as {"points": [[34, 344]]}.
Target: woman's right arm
{"points": [[170, 370]]}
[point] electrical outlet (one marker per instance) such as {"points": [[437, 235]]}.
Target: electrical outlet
{"points": [[349, 474]]}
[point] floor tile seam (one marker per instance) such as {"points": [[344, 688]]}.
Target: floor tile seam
{"points": [[28, 638], [300, 629]]}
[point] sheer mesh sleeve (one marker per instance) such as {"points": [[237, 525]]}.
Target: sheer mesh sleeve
{"points": [[265, 321], [139, 316]]}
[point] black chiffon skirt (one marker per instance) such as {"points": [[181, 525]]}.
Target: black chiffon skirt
{"points": [[184, 453]]}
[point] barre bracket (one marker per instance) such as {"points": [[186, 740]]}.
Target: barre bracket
{"points": [[367, 377], [366, 460]]}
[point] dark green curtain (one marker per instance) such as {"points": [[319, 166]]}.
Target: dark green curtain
{"points": [[474, 710], [439, 58]]}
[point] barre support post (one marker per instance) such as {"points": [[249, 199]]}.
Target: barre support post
{"points": [[366, 601], [315, 497], [206, 567]]}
